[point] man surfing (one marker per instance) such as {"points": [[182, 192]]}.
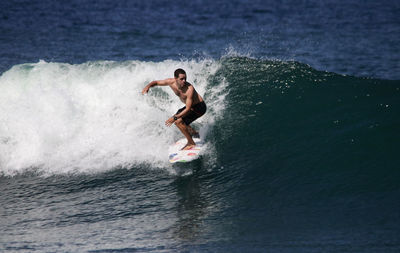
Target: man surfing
{"points": [[194, 108]]}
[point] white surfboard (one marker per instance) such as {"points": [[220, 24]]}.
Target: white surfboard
{"points": [[176, 155]]}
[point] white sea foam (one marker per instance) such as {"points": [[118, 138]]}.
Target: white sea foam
{"points": [[62, 118]]}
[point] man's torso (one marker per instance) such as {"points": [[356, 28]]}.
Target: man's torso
{"points": [[183, 93]]}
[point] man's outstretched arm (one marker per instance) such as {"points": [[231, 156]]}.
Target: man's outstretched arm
{"points": [[156, 83]]}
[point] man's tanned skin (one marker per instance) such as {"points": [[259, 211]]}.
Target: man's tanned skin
{"points": [[188, 95]]}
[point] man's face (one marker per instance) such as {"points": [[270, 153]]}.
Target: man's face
{"points": [[181, 80]]}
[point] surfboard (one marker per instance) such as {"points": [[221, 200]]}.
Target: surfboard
{"points": [[176, 155]]}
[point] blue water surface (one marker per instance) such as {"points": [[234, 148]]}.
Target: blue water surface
{"points": [[349, 37]]}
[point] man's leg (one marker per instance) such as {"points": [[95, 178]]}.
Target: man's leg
{"points": [[192, 132], [184, 129]]}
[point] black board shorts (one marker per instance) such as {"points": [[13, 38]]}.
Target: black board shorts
{"points": [[195, 112]]}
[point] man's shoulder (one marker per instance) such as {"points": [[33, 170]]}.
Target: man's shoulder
{"points": [[170, 80]]}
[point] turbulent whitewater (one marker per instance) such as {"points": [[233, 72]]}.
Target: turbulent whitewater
{"points": [[58, 117]]}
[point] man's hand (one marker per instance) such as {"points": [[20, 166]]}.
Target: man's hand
{"points": [[169, 121], [145, 89]]}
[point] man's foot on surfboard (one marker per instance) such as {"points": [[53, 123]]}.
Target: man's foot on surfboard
{"points": [[188, 146]]}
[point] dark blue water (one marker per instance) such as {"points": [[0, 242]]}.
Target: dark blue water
{"points": [[302, 126]]}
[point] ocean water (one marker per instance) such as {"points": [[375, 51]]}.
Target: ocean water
{"points": [[302, 127]]}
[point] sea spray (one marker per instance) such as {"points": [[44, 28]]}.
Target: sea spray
{"points": [[91, 117]]}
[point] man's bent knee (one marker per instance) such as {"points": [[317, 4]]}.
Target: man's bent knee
{"points": [[179, 121]]}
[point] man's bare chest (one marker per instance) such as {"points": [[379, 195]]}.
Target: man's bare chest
{"points": [[180, 93]]}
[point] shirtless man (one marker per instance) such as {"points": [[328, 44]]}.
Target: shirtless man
{"points": [[193, 109]]}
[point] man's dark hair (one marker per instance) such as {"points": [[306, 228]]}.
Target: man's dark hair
{"points": [[178, 72]]}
